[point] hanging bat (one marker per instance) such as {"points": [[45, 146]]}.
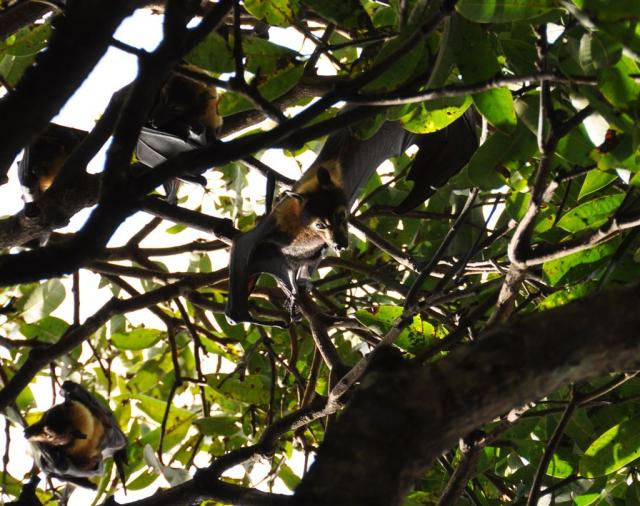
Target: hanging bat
{"points": [[293, 238], [42, 161], [73, 438], [188, 109], [184, 117]]}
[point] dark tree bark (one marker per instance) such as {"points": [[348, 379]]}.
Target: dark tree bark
{"points": [[405, 416], [81, 37]]}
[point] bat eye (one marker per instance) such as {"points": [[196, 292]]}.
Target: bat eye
{"points": [[320, 225]]}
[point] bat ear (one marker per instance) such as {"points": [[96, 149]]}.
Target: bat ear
{"points": [[324, 178], [294, 195]]}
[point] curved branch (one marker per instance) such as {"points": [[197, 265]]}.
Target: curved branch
{"points": [[509, 367]]}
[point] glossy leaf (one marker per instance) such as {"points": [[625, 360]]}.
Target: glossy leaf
{"points": [[556, 270], [402, 70], [274, 12], [415, 337], [595, 180], [346, 13], [220, 425], [276, 85], [567, 294], [49, 329], [250, 390], [477, 61], [486, 164], [612, 450], [501, 11], [43, 300], [19, 51], [598, 50], [591, 214], [212, 54], [616, 85], [137, 339], [427, 117], [603, 10]]}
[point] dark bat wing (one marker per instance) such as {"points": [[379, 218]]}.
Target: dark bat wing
{"points": [[360, 158], [114, 442], [114, 438], [441, 155], [76, 480], [250, 255], [41, 159], [155, 147], [54, 462], [28, 495]]}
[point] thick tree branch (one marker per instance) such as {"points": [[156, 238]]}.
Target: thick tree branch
{"points": [[80, 38], [534, 356]]}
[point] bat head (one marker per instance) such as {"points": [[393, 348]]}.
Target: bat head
{"points": [[325, 211], [188, 109], [57, 427]]}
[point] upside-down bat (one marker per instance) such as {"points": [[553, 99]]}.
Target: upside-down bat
{"points": [[73, 438], [42, 161], [184, 117], [292, 239]]}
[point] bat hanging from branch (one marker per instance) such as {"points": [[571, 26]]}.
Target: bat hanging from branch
{"points": [[289, 242], [184, 117], [42, 161], [72, 439]]}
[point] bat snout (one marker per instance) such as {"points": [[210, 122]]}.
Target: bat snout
{"points": [[340, 242]]}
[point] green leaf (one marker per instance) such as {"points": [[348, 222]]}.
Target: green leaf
{"points": [[497, 107], [142, 481], [586, 499], [616, 85], [402, 70], [477, 61], [49, 329], [19, 51], [413, 338], [274, 12], [612, 115], [289, 478], [43, 300], [250, 390], [591, 214], [559, 467], [576, 147], [26, 42], [155, 409], [427, 117], [605, 10], [175, 229], [594, 181], [218, 425], [346, 13], [367, 128], [265, 57], [137, 339], [567, 294], [498, 150], [502, 11], [212, 54], [276, 86], [598, 50], [555, 270], [612, 450]]}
